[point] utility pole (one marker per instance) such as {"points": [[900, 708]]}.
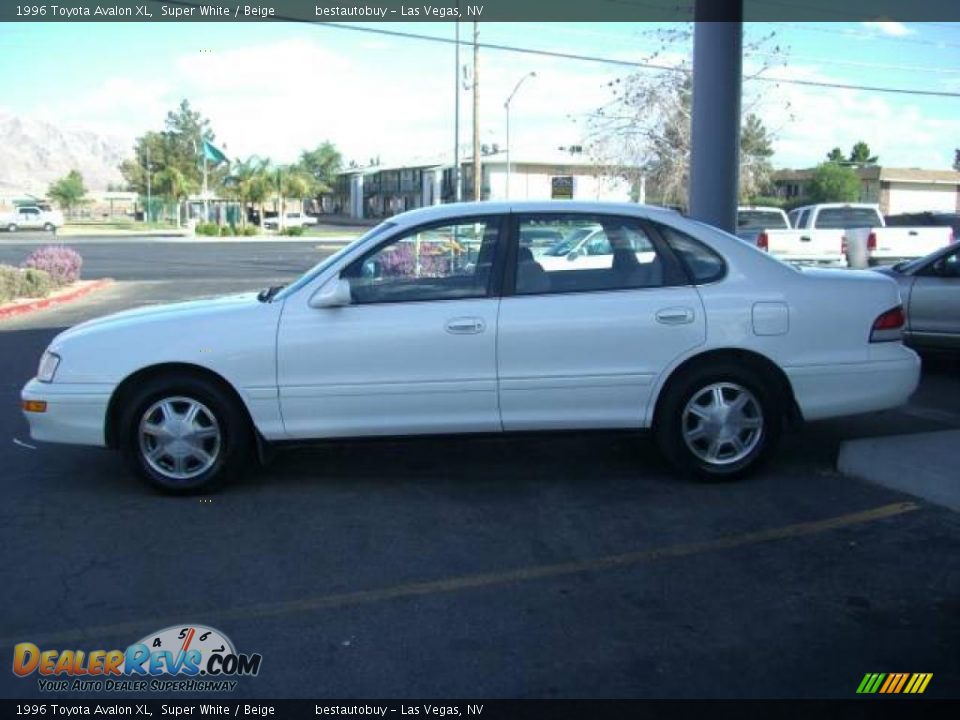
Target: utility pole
{"points": [[477, 170], [149, 204], [457, 191]]}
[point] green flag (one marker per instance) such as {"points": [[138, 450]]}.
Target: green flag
{"points": [[213, 154]]}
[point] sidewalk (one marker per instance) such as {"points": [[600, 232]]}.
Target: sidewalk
{"points": [[925, 464]]}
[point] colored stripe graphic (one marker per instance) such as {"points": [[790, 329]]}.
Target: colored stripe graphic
{"points": [[894, 683]]}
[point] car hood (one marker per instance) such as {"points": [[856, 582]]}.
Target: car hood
{"points": [[168, 313]]}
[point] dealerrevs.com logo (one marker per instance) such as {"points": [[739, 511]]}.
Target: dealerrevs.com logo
{"points": [[184, 658]]}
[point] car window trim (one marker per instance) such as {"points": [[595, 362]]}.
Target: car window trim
{"points": [[493, 281]]}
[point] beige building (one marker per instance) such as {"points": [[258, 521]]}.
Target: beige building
{"points": [[896, 190], [381, 191]]}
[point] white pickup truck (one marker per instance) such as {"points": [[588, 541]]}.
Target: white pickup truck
{"points": [[849, 234], [31, 217]]}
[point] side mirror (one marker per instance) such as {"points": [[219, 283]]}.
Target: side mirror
{"points": [[333, 293]]}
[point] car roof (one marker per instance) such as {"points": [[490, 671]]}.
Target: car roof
{"points": [[465, 209]]}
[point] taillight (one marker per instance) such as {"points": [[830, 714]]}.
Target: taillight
{"points": [[953, 238], [889, 326], [871, 242], [763, 242], [844, 245]]}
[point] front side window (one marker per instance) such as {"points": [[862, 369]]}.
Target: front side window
{"points": [[598, 253], [446, 262]]}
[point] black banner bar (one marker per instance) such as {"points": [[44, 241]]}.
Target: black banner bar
{"points": [[874, 708], [469, 10]]}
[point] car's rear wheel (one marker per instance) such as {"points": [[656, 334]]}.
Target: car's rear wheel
{"points": [[185, 434], [719, 422], [49, 227]]}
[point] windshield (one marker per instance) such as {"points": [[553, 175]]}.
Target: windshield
{"points": [[760, 220], [313, 272]]}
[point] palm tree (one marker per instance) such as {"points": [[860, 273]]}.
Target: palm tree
{"points": [[174, 184], [250, 183]]}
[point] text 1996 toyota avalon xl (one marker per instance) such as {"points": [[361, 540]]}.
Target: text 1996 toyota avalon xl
{"points": [[441, 320]]}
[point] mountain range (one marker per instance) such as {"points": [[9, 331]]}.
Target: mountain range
{"points": [[34, 153]]}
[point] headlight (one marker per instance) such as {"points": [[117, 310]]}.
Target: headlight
{"points": [[48, 366]]}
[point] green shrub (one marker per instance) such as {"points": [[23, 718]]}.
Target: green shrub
{"points": [[36, 283], [227, 231], [249, 231], [292, 231], [30, 283], [207, 229], [9, 282]]}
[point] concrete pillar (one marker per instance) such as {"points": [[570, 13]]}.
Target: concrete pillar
{"points": [[717, 64], [356, 196]]}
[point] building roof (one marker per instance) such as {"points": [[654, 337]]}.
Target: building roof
{"points": [[879, 172]]}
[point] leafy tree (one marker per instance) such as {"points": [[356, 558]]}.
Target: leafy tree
{"points": [[322, 165], [860, 154], [645, 130], [836, 156], [251, 183], [174, 156], [833, 182], [69, 191], [756, 149]]}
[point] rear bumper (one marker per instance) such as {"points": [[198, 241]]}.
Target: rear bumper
{"points": [[825, 391], [75, 414]]}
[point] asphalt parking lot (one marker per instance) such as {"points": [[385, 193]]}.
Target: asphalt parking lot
{"points": [[556, 565]]}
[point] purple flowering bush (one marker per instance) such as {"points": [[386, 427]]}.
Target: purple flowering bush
{"points": [[60, 262]]}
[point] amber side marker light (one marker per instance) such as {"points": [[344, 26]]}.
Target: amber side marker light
{"points": [[36, 406]]}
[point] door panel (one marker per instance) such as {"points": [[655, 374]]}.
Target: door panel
{"points": [[589, 359], [581, 347], [935, 311], [391, 369], [414, 352]]}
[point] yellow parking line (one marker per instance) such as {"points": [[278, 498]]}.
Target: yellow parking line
{"points": [[465, 582]]}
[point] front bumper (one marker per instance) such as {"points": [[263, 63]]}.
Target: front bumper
{"points": [[75, 413], [825, 391]]}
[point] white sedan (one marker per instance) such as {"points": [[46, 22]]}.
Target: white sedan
{"points": [[441, 320]]}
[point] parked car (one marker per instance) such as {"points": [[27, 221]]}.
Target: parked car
{"points": [[32, 217], [754, 219], [290, 219], [930, 288], [588, 247], [711, 344], [852, 234]]}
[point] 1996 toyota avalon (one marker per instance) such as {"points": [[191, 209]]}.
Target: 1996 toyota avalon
{"points": [[441, 320]]}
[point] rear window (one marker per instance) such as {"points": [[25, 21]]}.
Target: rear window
{"points": [[760, 220], [702, 264], [847, 217]]}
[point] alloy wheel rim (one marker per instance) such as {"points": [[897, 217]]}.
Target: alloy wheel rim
{"points": [[722, 423], [180, 438]]}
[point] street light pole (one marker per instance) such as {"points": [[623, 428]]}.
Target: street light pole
{"points": [[148, 184], [506, 106], [457, 190]]}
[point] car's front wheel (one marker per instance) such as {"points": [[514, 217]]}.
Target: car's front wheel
{"points": [[720, 422], [12, 227], [185, 435], [49, 227]]}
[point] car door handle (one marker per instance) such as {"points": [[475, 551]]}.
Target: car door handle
{"points": [[675, 316], [466, 326], [804, 238]]}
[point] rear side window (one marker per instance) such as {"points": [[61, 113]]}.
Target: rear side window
{"points": [[760, 220], [847, 217], [703, 264]]}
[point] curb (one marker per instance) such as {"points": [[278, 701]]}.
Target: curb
{"points": [[9, 311], [920, 464]]}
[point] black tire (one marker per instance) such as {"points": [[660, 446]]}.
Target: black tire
{"points": [[49, 227], [12, 227], [230, 452], [673, 420]]}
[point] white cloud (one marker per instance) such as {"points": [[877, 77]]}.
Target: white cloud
{"points": [[894, 29]]}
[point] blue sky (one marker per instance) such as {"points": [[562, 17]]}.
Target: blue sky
{"points": [[275, 88]]}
